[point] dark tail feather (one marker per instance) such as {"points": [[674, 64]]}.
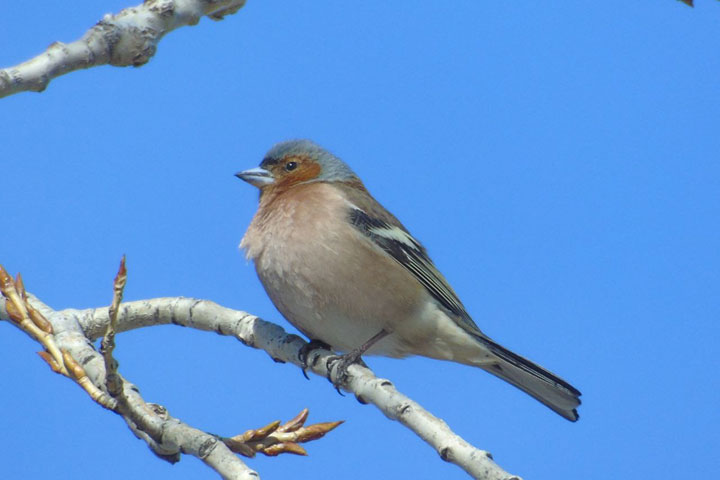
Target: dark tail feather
{"points": [[534, 380]]}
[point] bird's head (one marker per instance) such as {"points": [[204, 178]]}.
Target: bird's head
{"points": [[296, 162]]}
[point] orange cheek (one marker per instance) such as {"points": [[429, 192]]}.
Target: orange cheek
{"points": [[305, 172]]}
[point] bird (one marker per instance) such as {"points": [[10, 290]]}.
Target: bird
{"points": [[346, 273]]}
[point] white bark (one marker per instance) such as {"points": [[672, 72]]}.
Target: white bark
{"points": [[77, 328], [166, 436], [126, 38]]}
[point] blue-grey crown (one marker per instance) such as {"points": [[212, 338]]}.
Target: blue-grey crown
{"points": [[332, 167]]}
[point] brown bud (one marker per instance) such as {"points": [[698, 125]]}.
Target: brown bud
{"points": [[50, 360], [278, 448], [19, 286], [13, 312], [237, 445], [295, 423], [318, 430], [5, 279], [263, 432], [38, 319], [121, 276], [72, 366]]}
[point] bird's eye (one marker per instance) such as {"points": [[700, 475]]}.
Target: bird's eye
{"points": [[290, 166]]}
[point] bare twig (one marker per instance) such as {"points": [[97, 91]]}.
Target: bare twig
{"points": [[167, 436], [255, 332], [129, 37], [107, 345], [32, 322]]}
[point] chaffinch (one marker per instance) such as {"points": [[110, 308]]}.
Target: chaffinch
{"points": [[348, 274]]}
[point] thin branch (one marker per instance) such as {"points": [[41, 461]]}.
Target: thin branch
{"points": [[30, 320], [127, 38], [168, 437], [113, 381], [257, 333], [252, 331]]}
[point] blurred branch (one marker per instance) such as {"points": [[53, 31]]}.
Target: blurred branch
{"points": [[126, 38], [689, 3], [284, 347], [62, 337]]}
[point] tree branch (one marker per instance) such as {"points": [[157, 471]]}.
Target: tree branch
{"points": [[257, 333], [70, 353], [126, 38]]}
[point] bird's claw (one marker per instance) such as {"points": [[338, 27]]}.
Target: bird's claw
{"points": [[341, 374], [305, 352]]}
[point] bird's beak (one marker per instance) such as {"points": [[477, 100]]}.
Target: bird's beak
{"points": [[258, 177]]}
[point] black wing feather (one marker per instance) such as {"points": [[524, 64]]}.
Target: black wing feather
{"points": [[414, 258]]}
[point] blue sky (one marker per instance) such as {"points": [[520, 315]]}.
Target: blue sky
{"points": [[559, 163]]}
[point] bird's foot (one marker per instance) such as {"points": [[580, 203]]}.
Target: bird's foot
{"points": [[346, 360], [305, 352]]}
